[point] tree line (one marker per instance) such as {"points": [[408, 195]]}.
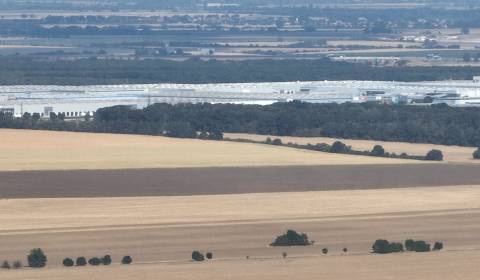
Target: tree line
{"points": [[436, 124], [21, 70]]}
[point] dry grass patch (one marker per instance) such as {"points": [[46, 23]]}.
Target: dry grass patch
{"points": [[48, 150]]}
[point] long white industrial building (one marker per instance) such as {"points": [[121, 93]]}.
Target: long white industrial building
{"points": [[76, 101]]}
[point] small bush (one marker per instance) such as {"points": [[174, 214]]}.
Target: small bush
{"points": [[435, 155], [325, 251], [209, 255], [421, 246], [409, 244], [292, 238], [17, 264], [37, 258], [127, 260], [345, 250], [68, 262], [437, 246], [277, 142], [106, 260], [197, 256], [339, 147], [284, 254], [476, 154], [417, 245], [377, 151], [81, 261], [94, 261], [5, 265]]}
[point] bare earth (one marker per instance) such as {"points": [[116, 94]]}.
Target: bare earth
{"points": [[454, 154], [47, 150]]}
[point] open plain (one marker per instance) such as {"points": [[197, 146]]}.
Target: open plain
{"points": [[233, 207], [47, 150]]}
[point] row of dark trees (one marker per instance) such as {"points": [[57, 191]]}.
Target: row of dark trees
{"points": [[17, 70], [437, 124], [339, 147], [383, 246], [95, 261]]}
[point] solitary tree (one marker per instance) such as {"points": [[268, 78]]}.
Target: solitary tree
{"points": [[377, 151], [81, 261], [37, 258], [197, 256], [68, 262], [435, 155], [476, 154], [127, 260]]}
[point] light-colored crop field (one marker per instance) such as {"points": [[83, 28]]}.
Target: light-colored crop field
{"points": [[434, 266], [47, 150], [234, 226], [160, 233], [454, 154]]}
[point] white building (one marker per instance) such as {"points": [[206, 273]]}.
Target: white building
{"points": [[77, 101]]}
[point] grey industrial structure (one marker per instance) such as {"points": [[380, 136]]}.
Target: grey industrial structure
{"points": [[77, 101]]}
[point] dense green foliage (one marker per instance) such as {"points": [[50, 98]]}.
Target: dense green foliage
{"points": [[476, 154], [106, 260], [417, 245], [438, 246], [81, 261], [94, 261], [292, 238], [68, 262], [382, 246], [438, 124], [23, 70], [127, 260], [37, 258], [436, 155], [197, 256]]}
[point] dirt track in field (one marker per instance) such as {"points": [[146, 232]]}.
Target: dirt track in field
{"points": [[229, 180]]}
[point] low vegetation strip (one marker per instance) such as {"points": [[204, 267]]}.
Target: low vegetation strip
{"points": [[339, 147]]}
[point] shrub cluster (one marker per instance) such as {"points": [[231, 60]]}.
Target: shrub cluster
{"points": [[292, 238], [105, 260], [417, 245], [382, 246]]}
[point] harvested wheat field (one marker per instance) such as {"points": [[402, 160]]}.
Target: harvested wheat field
{"points": [[167, 229], [454, 154], [47, 150], [435, 266]]}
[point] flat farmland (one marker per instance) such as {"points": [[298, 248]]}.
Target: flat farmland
{"points": [[452, 154], [161, 232], [445, 265], [46, 150]]}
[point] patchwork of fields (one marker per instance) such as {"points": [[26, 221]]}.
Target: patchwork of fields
{"points": [[231, 199]]}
